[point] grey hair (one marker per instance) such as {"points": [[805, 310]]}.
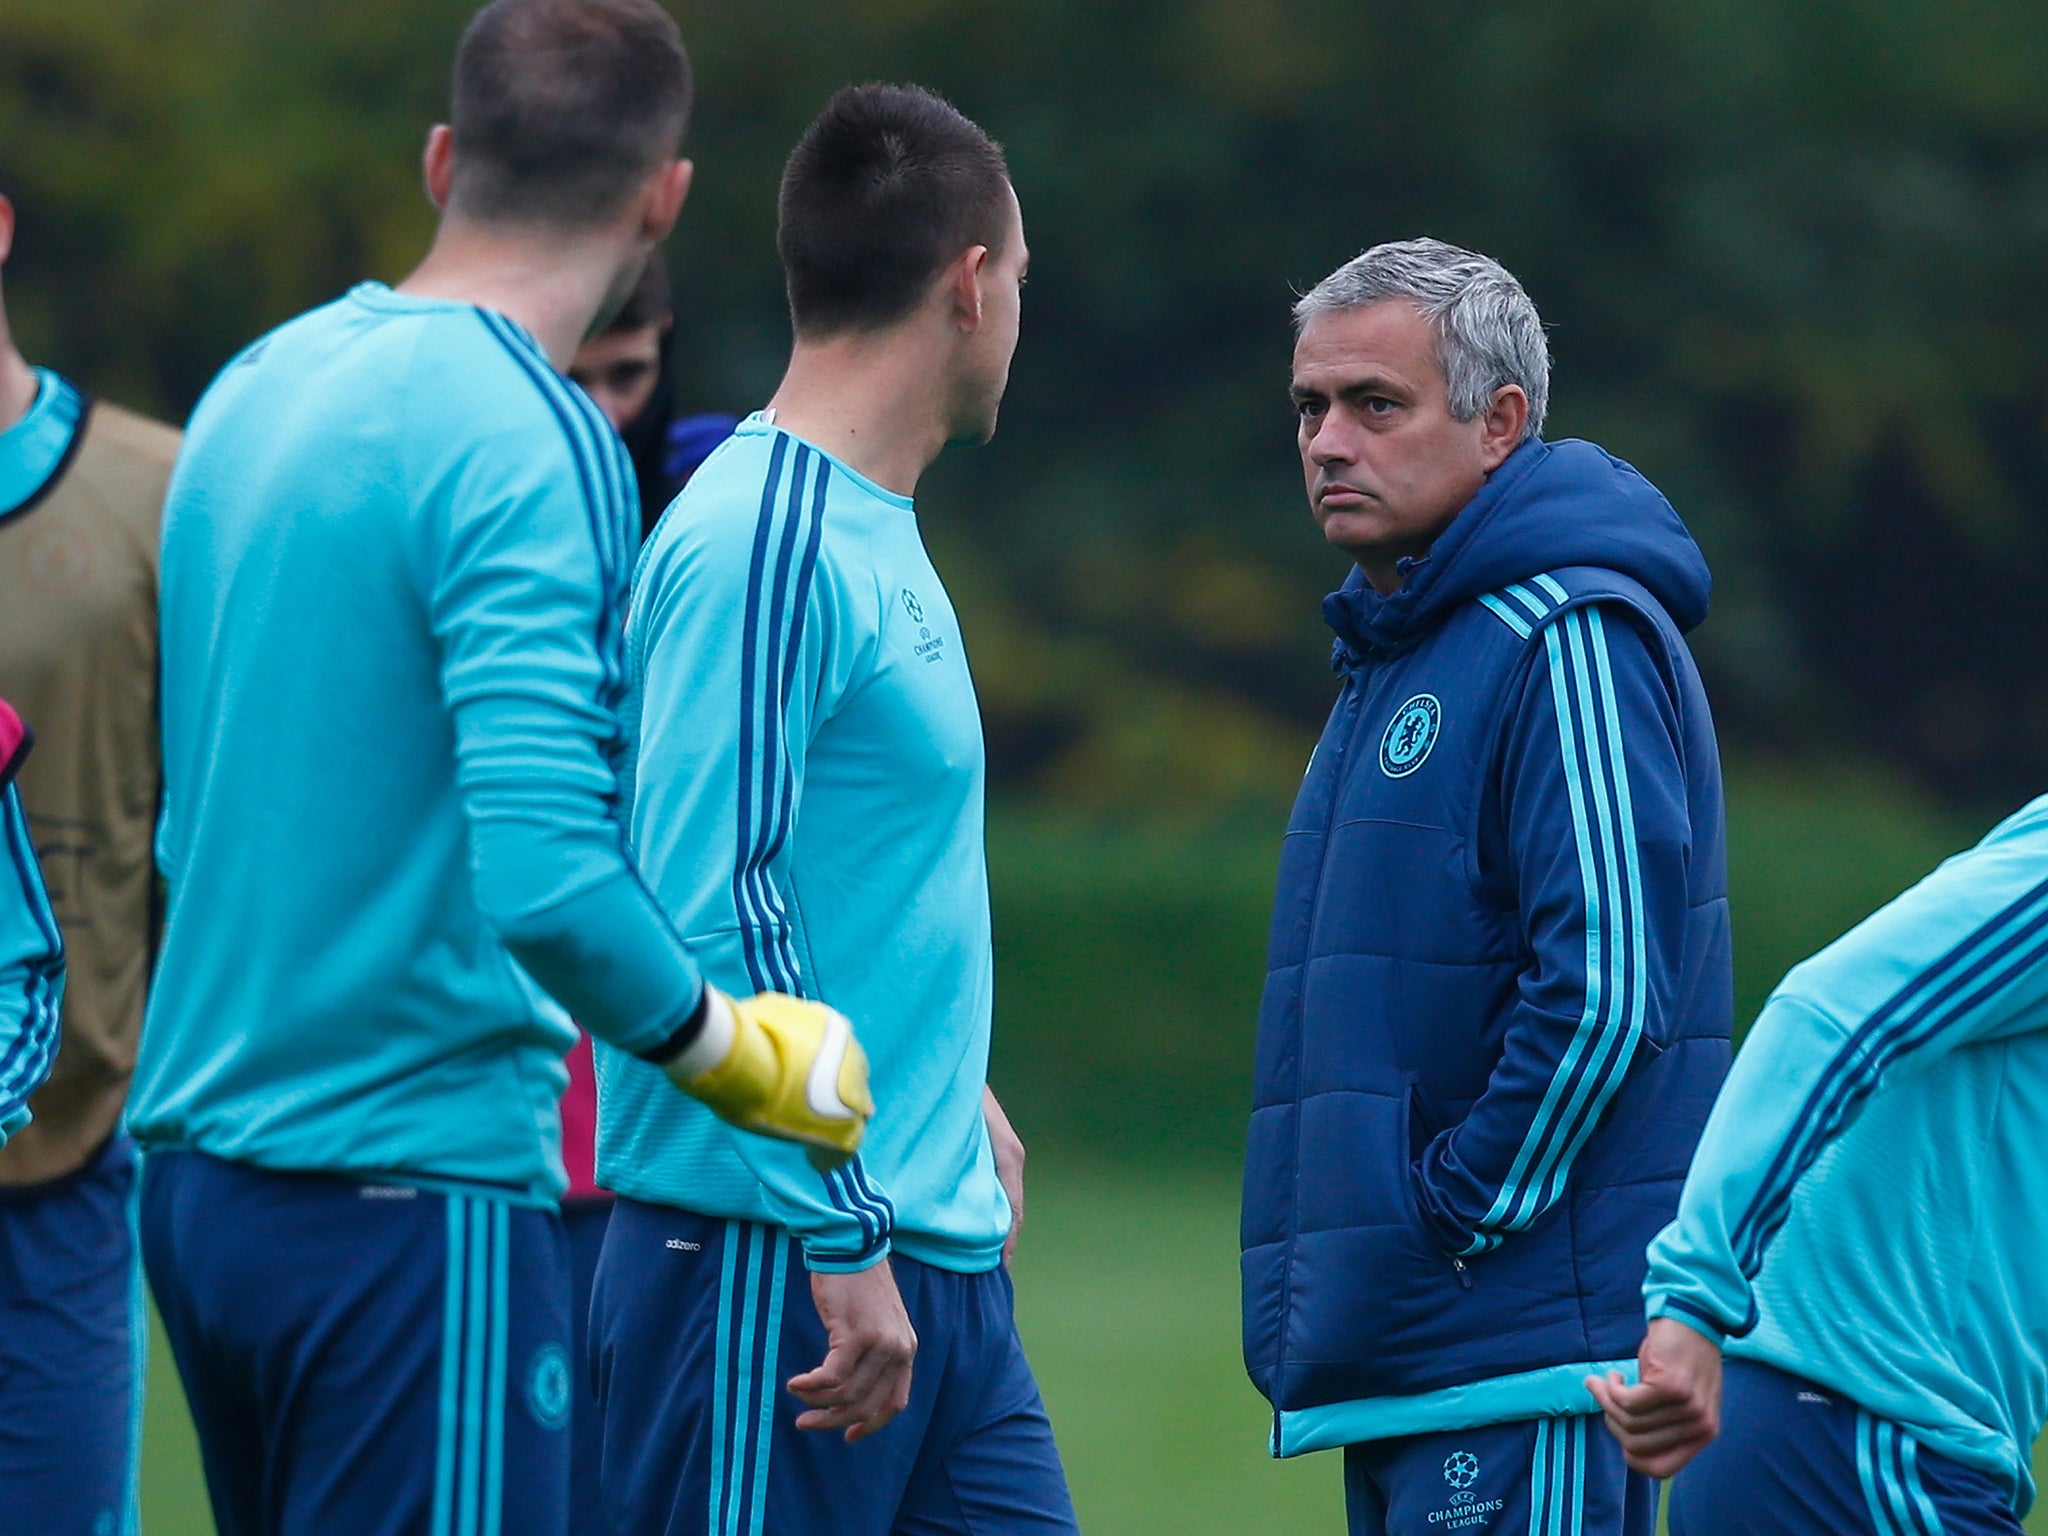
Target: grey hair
{"points": [[1487, 332]]}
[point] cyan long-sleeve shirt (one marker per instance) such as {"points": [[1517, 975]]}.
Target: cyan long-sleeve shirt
{"points": [[394, 561], [806, 798], [1869, 1206]]}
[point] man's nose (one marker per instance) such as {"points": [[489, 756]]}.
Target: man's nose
{"points": [[1334, 440]]}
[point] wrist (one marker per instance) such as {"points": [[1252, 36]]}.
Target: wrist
{"points": [[714, 1041], [1676, 1314], [839, 1261]]}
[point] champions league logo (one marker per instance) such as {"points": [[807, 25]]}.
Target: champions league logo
{"points": [[929, 647], [1461, 1474]]}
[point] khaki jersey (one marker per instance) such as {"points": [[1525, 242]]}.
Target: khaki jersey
{"points": [[78, 659]]}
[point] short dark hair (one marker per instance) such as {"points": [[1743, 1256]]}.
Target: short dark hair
{"points": [[562, 106], [649, 302], [886, 187]]}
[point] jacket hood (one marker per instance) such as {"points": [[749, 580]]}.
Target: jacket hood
{"points": [[1551, 505]]}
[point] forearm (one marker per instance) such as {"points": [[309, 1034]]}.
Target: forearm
{"points": [[1595, 840], [553, 878], [611, 959], [1512, 1157]]}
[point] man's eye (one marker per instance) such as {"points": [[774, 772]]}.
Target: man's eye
{"points": [[1378, 405], [1308, 408]]}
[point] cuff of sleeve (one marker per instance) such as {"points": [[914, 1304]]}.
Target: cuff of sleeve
{"points": [[678, 1038], [838, 1261], [1702, 1323], [1452, 1236]]}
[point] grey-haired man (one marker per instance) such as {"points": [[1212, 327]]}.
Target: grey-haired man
{"points": [[1498, 1004]]}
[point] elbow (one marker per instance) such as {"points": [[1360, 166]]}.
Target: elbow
{"points": [[552, 953], [526, 876], [538, 940]]}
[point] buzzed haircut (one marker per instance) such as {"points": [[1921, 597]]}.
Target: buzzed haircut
{"points": [[884, 190], [561, 108]]}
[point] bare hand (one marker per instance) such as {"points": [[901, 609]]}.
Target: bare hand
{"points": [[864, 1381], [1009, 1152], [1674, 1411]]}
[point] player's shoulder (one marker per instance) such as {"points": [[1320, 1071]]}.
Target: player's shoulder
{"points": [[469, 364], [475, 384], [722, 510], [756, 518], [447, 366], [501, 355]]}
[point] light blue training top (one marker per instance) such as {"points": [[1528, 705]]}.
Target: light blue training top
{"points": [[1869, 1205], [807, 804], [395, 552]]}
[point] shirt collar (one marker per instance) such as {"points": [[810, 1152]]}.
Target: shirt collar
{"points": [[35, 447]]}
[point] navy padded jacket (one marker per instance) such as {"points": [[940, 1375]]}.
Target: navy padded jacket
{"points": [[1500, 985]]}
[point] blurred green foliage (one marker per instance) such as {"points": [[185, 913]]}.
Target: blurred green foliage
{"points": [[1789, 255]]}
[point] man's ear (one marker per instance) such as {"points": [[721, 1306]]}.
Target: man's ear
{"points": [[1500, 432], [667, 190], [437, 164], [963, 286]]}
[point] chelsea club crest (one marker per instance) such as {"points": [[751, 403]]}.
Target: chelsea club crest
{"points": [[1410, 735], [547, 1386]]}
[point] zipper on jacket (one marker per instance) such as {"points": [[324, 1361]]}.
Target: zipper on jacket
{"points": [[1352, 700], [1464, 1274]]}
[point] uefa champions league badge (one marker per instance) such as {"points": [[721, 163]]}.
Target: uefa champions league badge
{"points": [[929, 647], [1410, 735], [1461, 1473]]}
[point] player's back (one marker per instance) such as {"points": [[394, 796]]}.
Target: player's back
{"points": [[330, 993], [1869, 1205]]}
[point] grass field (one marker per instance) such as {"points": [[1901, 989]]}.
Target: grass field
{"points": [[1127, 1296], [1129, 967]]}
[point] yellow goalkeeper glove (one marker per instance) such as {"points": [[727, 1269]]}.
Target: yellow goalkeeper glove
{"points": [[781, 1067]]}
